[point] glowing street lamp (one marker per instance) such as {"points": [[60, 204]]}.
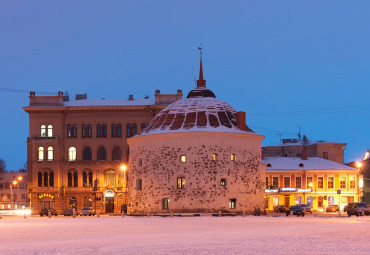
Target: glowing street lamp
{"points": [[15, 182], [20, 178], [359, 164], [123, 168], [310, 185]]}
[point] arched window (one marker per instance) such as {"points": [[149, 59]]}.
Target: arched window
{"points": [[114, 133], [128, 130], [102, 153], [90, 179], [75, 179], [89, 130], [110, 178], [134, 129], [119, 130], [116, 153], [50, 153], [74, 130], [43, 131], [46, 179], [214, 156], [50, 130], [143, 126], [51, 179], [98, 130], [72, 152], [87, 154], [84, 179], [87, 202], [104, 130], [69, 179], [84, 130], [69, 130], [41, 153], [39, 179]]}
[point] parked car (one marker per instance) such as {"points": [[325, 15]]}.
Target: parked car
{"points": [[45, 211], [297, 210], [332, 208], [345, 208], [280, 208], [358, 209], [69, 212], [306, 207], [87, 211]]}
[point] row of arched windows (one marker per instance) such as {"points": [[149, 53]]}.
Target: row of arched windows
{"points": [[49, 153], [101, 130], [101, 154], [131, 130], [87, 178], [45, 179], [46, 131]]}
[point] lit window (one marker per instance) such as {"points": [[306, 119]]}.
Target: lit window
{"points": [[139, 184], [50, 153], [41, 153], [309, 182], [50, 130], [232, 203], [183, 159], [110, 178], [223, 182], [330, 182], [69, 130], [352, 183], [320, 182], [214, 156], [43, 130], [343, 182], [181, 183], [166, 203], [72, 152], [233, 157]]}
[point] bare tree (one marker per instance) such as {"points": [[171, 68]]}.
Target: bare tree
{"points": [[2, 166]]}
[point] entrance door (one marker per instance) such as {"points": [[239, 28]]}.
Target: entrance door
{"points": [[109, 204]]}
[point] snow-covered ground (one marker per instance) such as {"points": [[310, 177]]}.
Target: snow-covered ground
{"points": [[185, 235]]}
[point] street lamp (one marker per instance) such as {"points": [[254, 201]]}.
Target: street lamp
{"points": [[124, 206]]}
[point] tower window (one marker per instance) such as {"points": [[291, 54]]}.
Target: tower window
{"points": [[233, 157], [183, 159], [41, 153], [223, 182], [232, 203], [43, 130], [181, 183], [50, 130], [50, 153], [72, 154], [166, 203], [214, 156]]}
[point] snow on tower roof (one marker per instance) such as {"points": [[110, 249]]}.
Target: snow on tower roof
{"points": [[204, 114]]}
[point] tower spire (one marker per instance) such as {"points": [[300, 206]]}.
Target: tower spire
{"points": [[201, 82]]}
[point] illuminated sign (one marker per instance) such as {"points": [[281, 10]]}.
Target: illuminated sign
{"points": [[271, 190], [288, 189], [46, 195], [304, 190]]}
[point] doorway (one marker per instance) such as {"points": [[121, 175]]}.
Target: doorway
{"points": [[109, 201]]}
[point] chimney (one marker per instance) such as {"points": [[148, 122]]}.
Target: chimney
{"points": [[240, 120], [304, 154], [130, 97]]}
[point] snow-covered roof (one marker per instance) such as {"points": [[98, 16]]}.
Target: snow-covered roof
{"points": [[295, 163], [109, 102], [297, 142], [203, 114]]}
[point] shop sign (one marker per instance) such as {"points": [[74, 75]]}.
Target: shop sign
{"points": [[46, 195], [304, 190], [288, 189], [271, 190]]}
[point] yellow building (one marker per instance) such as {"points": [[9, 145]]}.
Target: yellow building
{"points": [[309, 180]]}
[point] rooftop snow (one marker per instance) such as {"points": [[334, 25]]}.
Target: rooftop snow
{"points": [[110, 102], [302, 143], [312, 163], [203, 114]]}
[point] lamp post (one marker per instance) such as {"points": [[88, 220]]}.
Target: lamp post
{"points": [[12, 186], [360, 184], [124, 169]]}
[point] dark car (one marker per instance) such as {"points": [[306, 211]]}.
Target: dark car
{"points": [[358, 209], [45, 211], [345, 208], [297, 210], [87, 211], [332, 208], [306, 208], [280, 208], [69, 212]]}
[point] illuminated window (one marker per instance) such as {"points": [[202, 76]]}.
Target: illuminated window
{"points": [[50, 130], [183, 159], [69, 130], [309, 182], [51, 179], [134, 129], [232, 203], [214, 156], [275, 182], [139, 184], [75, 179], [39, 179], [181, 183], [43, 130], [342, 182], [233, 157], [114, 130], [117, 154], [119, 130], [110, 178], [166, 203], [298, 182], [102, 153], [41, 153], [72, 152], [128, 130], [50, 153], [320, 182], [143, 126], [330, 182], [46, 179], [223, 182], [87, 154], [286, 182], [352, 183]]}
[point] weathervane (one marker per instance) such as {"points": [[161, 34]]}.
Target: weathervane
{"points": [[200, 48]]}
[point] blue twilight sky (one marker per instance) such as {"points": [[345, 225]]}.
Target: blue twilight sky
{"points": [[286, 63]]}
